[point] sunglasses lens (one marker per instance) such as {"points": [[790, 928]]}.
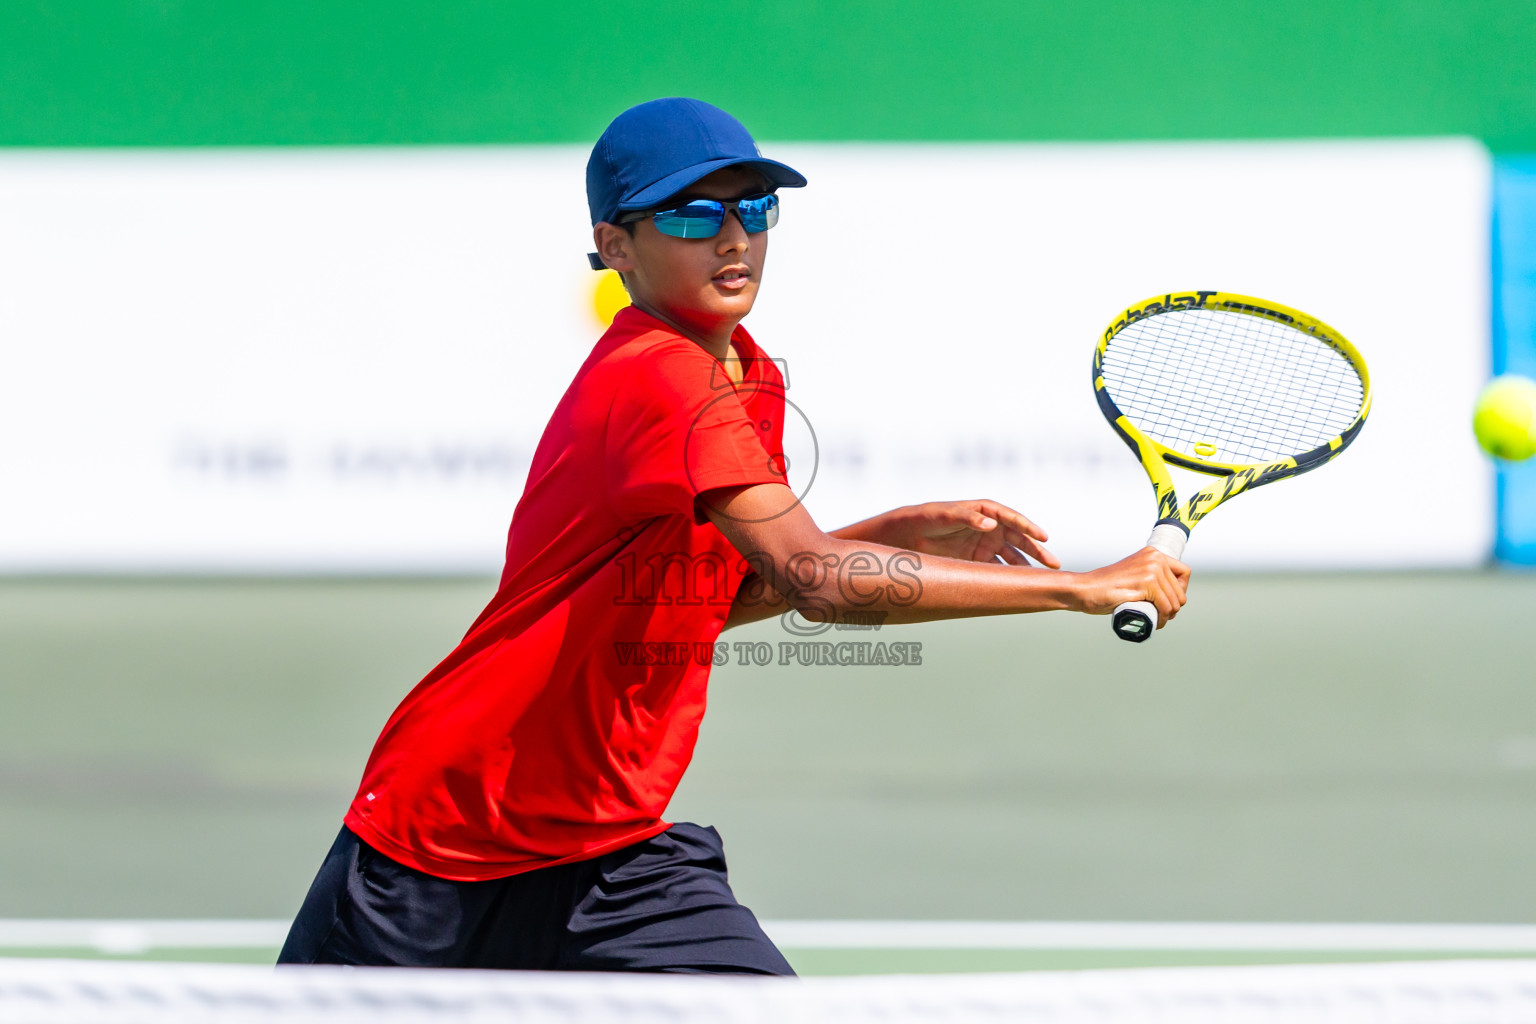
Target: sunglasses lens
{"points": [[759, 213], [702, 218], [698, 219]]}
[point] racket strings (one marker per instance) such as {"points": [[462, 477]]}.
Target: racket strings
{"points": [[1255, 389]]}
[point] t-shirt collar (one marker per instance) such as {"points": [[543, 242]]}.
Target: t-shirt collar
{"points": [[740, 338]]}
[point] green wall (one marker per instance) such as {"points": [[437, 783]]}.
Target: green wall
{"points": [[322, 72]]}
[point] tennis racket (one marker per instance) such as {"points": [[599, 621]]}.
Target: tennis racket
{"points": [[1234, 387]]}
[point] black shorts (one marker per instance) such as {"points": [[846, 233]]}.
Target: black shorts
{"points": [[660, 905]]}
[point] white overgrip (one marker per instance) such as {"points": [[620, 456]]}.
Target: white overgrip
{"points": [[1168, 539]]}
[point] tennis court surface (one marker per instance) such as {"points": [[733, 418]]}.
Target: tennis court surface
{"points": [[183, 751]]}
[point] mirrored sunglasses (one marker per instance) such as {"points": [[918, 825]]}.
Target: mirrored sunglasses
{"points": [[702, 218]]}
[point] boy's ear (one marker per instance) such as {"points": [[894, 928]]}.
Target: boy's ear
{"points": [[614, 246]]}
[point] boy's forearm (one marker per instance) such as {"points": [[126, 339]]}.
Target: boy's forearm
{"points": [[901, 585], [849, 576]]}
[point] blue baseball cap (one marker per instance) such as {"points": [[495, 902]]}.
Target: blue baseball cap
{"points": [[657, 149]]}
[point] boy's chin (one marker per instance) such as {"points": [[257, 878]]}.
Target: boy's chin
{"points": [[738, 301]]}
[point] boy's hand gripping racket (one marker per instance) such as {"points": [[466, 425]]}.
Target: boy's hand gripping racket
{"points": [[1238, 388]]}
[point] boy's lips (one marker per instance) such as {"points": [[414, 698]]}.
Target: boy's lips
{"points": [[734, 278]]}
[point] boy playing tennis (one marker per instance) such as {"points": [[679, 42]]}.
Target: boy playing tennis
{"points": [[510, 814]]}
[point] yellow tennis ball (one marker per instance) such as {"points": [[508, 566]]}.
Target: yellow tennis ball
{"points": [[610, 297], [1504, 418]]}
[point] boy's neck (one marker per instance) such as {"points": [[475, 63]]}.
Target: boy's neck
{"points": [[716, 342]]}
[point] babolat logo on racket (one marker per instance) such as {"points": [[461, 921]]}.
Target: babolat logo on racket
{"points": [[1224, 385], [1170, 301]]}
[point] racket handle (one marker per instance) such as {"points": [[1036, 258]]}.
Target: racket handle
{"points": [[1136, 621]]}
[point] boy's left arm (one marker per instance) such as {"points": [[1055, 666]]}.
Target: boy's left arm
{"points": [[978, 531]]}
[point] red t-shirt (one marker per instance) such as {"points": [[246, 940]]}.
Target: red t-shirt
{"points": [[560, 726]]}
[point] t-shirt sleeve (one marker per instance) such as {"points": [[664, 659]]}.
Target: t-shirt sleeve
{"points": [[676, 429]]}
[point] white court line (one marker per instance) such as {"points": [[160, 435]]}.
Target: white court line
{"points": [[127, 937], [1132, 935], [107, 992], [140, 936]]}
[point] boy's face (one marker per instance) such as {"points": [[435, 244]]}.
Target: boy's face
{"points": [[703, 284]]}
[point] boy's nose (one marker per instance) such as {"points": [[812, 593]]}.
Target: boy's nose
{"points": [[733, 234]]}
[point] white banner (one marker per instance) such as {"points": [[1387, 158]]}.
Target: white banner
{"points": [[341, 360]]}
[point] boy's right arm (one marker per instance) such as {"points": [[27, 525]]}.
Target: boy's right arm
{"points": [[822, 575]]}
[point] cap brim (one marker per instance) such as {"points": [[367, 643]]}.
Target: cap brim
{"points": [[778, 175]]}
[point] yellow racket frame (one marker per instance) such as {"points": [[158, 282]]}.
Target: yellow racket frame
{"points": [[1235, 477]]}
